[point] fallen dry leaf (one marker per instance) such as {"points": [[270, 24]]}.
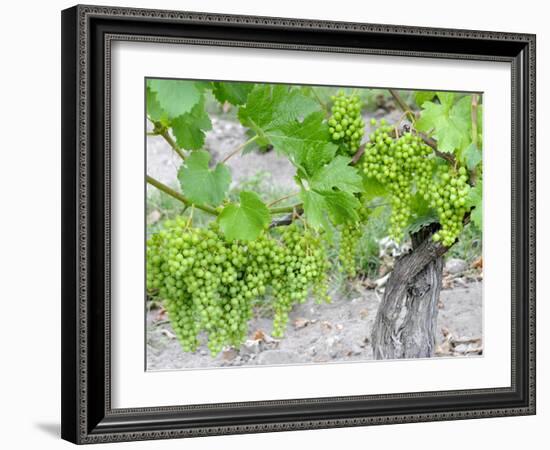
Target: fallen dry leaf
{"points": [[301, 322], [161, 315], [478, 263], [258, 335]]}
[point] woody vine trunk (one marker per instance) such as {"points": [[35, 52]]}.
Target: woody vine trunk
{"points": [[406, 320]]}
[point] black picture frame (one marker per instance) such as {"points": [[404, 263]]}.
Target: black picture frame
{"points": [[87, 32]]}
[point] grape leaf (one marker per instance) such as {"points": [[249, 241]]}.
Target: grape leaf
{"points": [[342, 206], [176, 97], [446, 99], [189, 128], [234, 93], [330, 190], [270, 107], [475, 200], [244, 221], [315, 209], [154, 110], [420, 97], [471, 156], [307, 143], [337, 174], [451, 124], [372, 188], [201, 184], [422, 214], [420, 222]]}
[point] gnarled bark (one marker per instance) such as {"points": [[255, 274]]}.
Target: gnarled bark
{"points": [[406, 320]]}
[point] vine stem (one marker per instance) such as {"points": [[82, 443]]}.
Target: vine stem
{"points": [[286, 209], [172, 143], [282, 199], [402, 104], [239, 148], [166, 135], [427, 140], [475, 100], [172, 193], [474, 119], [208, 209]]}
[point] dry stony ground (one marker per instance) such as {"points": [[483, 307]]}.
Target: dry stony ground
{"points": [[321, 333], [339, 331]]}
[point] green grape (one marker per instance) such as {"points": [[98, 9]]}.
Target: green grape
{"points": [[209, 284], [346, 124], [350, 235], [406, 166], [304, 265], [447, 195]]}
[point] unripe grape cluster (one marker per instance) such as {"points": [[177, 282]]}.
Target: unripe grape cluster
{"points": [[448, 198], [208, 284], [350, 235], [407, 166], [346, 124], [301, 263]]}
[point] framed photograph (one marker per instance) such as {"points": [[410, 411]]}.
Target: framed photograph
{"points": [[279, 224]]}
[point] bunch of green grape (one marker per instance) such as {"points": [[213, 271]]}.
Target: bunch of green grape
{"points": [[302, 263], [448, 198], [350, 236], [401, 165], [346, 124], [208, 284], [407, 166]]}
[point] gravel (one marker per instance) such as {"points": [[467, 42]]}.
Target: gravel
{"points": [[316, 333]]}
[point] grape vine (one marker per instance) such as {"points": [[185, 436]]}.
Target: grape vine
{"points": [[209, 277]]}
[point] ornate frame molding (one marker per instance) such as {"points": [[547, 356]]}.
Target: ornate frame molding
{"points": [[80, 419]]}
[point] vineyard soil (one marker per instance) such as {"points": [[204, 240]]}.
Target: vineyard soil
{"points": [[339, 331]]}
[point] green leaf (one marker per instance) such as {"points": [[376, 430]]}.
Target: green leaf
{"points": [[342, 206], [244, 221], [176, 97], [420, 222], [446, 99], [315, 209], [271, 107], [307, 144], [330, 192], [337, 174], [189, 128], [200, 184], [234, 93], [372, 188], [154, 110], [420, 97], [471, 157], [475, 200], [451, 125]]}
